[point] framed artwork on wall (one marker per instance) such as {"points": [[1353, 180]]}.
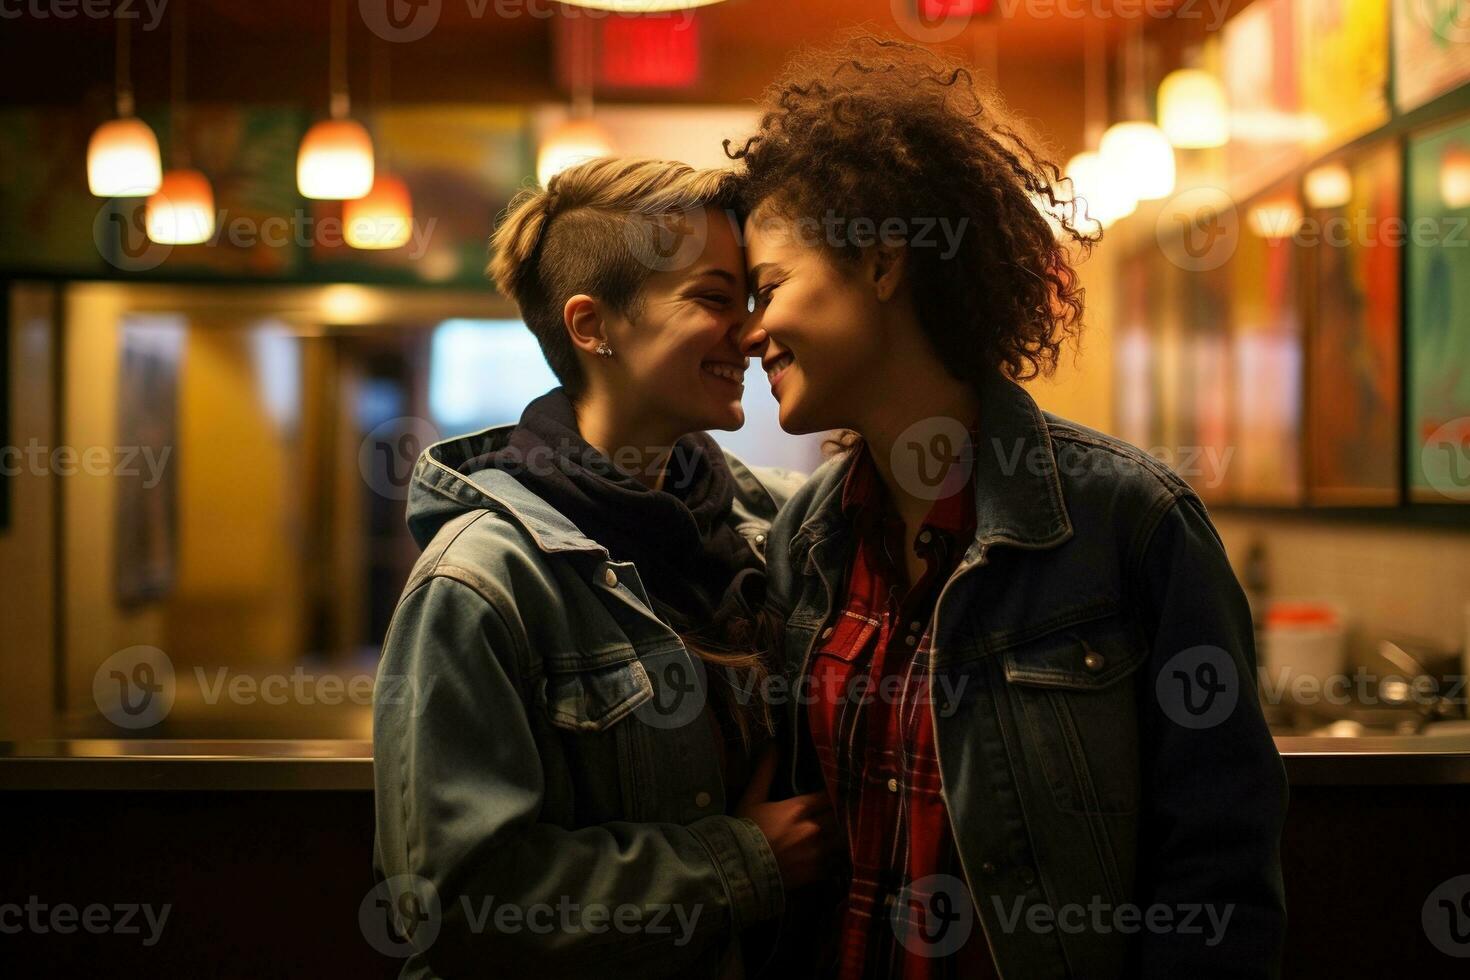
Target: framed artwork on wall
{"points": [[149, 359], [1266, 362], [1437, 426], [1353, 390]]}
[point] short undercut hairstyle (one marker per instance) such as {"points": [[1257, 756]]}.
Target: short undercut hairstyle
{"points": [[585, 233]]}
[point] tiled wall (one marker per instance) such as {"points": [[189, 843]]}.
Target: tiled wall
{"points": [[1389, 578]]}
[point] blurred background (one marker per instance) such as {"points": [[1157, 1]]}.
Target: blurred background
{"points": [[241, 287]]}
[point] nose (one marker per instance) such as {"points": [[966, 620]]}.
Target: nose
{"points": [[752, 337]]}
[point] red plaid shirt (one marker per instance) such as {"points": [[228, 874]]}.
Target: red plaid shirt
{"points": [[877, 750]]}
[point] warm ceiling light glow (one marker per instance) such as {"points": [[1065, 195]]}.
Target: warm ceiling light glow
{"points": [[182, 212], [1139, 155], [1192, 109], [335, 161], [1330, 186], [1278, 217], [1102, 197], [1275, 127], [344, 303], [574, 141], [381, 219], [123, 160], [641, 6], [1454, 176]]}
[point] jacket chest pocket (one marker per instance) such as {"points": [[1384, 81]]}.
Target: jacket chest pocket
{"points": [[591, 699], [600, 756], [1078, 709]]}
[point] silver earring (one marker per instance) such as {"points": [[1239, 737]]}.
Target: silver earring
{"points": [[603, 350]]}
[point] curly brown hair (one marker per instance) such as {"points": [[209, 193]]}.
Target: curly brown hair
{"points": [[877, 131]]}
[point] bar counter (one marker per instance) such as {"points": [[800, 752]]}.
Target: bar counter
{"points": [[221, 830], [346, 764]]}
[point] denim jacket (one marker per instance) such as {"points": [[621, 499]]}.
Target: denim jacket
{"points": [[531, 785], [1103, 752]]}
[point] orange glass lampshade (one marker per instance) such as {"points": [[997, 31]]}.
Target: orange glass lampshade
{"points": [[383, 218], [1328, 186], [1276, 217], [335, 161], [182, 211], [123, 160], [1454, 176], [574, 141]]}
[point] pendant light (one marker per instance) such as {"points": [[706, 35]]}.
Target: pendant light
{"points": [[1192, 110], [1277, 217], [1328, 186], [574, 141], [383, 218], [181, 212], [1454, 176], [579, 137], [1137, 152], [1104, 198], [122, 155], [335, 161]]}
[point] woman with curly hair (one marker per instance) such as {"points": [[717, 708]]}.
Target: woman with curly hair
{"points": [[1023, 668]]}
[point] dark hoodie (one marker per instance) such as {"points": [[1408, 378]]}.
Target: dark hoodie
{"points": [[698, 570]]}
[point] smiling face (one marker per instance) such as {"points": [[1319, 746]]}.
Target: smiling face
{"points": [[815, 325], [676, 354]]}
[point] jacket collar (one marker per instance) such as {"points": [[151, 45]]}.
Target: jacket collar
{"points": [[437, 474], [1018, 493]]}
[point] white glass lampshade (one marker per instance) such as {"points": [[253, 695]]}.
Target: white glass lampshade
{"points": [[1329, 186], [1139, 155], [574, 141], [1454, 177], [1192, 110], [1105, 197], [641, 6], [182, 211], [123, 160], [383, 218], [335, 161]]}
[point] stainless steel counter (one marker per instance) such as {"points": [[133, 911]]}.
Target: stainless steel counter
{"points": [[343, 764]]}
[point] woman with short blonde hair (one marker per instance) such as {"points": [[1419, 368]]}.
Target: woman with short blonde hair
{"points": [[561, 780]]}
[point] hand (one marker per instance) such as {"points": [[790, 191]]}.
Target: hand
{"points": [[802, 831]]}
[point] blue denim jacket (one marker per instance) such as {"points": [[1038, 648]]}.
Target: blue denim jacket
{"points": [[523, 758], [1105, 760]]}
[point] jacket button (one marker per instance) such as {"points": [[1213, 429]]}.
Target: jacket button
{"points": [[1093, 661], [988, 868], [893, 786], [701, 799], [1028, 877], [760, 539], [609, 577]]}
